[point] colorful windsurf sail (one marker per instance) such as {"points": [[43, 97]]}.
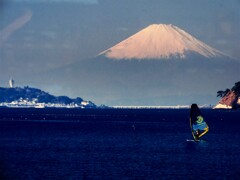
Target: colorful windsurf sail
{"points": [[197, 123]]}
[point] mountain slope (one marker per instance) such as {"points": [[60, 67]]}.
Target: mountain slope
{"points": [[160, 41], [156, 73]]}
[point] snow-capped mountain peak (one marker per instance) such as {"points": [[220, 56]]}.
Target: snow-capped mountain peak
{"points": [[160, 41]]}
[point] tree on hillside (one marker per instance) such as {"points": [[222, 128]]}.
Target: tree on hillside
{"points": [[223, 93], [236, 87], [220, 93]]}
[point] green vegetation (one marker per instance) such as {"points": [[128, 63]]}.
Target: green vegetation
{"points": [[235, 88], [33, 94], [223, 93]]}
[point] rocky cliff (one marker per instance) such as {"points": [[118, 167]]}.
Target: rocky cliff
{"points": [[230, 99]]}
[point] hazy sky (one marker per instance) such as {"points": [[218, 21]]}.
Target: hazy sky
{"points": [[42, 35]]}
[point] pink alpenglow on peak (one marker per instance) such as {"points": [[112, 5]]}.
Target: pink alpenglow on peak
{"points": [[160, 41]]}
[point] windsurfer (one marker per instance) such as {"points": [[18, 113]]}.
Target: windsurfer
{"points": [[196, 134], [197, 123]]}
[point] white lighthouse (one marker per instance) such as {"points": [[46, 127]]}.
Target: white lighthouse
{"points": [[11, 83]]}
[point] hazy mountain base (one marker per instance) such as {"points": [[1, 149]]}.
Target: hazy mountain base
{"points": [[149, 82]]}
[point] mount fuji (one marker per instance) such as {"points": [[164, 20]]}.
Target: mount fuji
{"points": [[160, 41], [160, 65]]}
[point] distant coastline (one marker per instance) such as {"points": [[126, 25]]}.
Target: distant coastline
{"points": [[28, 97], [160, 107]]}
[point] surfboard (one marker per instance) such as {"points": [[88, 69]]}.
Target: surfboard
{"points": [[192, 140]]}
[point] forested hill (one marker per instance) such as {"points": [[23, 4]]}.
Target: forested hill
{"points": [[34, 95]]}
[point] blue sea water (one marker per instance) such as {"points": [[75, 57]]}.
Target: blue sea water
{"points": [[117, 144]]}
